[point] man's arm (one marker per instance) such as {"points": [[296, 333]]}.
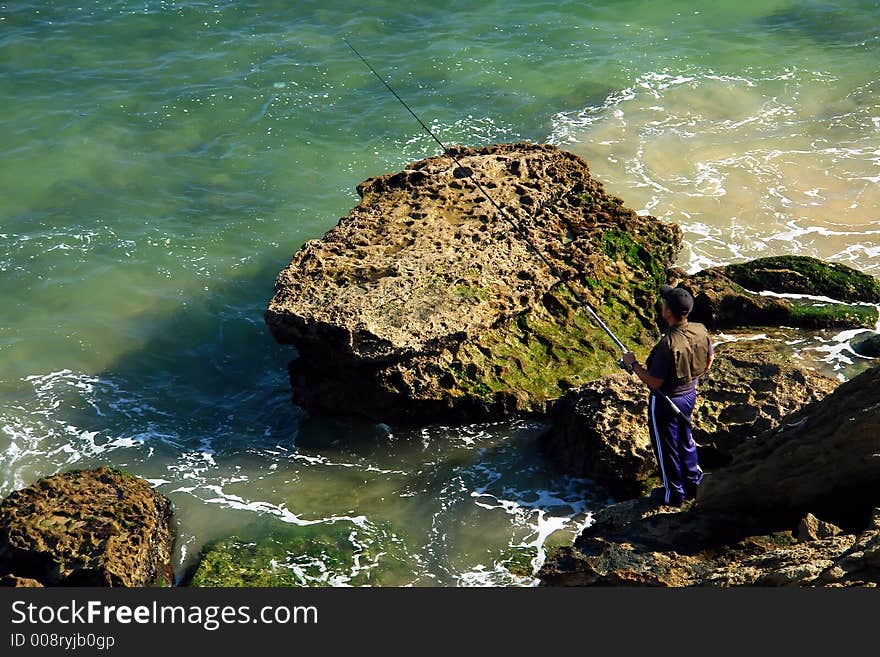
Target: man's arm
{"points": [[710, 355], [654, 383]]}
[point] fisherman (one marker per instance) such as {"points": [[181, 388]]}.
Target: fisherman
{"points": [[681, 356]]}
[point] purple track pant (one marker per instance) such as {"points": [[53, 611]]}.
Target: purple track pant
{"points": [[673, 445]]}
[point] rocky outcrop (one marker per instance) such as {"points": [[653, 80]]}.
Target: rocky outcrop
{"points": [[428, 300], [757, 520], [776, 559], [752, 386], [86, 528], [730, 296], [823, 458], [424, 302], [599, 430], [813, 529]]}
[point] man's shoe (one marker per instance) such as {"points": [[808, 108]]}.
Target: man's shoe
{"points": [[658, 497]]}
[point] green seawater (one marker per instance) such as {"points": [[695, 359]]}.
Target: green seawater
{"points": [[162, 161]]}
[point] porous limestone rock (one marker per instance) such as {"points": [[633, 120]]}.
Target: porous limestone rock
{"points": [[600, 431], [426, 302], [96, 527]]}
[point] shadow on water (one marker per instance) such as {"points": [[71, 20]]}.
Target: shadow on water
{"points": [[202, 407], [215, 360]]}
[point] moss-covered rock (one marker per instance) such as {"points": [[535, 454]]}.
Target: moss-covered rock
{"points": [[428, 303], [720, 302], [425, 302], [324, 554], [805, 275]]}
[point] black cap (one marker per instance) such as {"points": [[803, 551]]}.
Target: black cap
{"points": [[678, 299]]}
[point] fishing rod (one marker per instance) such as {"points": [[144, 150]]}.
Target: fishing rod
{"points": [[504, 215]]}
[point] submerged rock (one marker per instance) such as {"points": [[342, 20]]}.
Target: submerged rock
{"points": [[86, 528], [314, 555], [600, 430], [425, 303], [867, 344]]}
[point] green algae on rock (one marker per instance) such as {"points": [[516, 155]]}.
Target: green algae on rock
{"points": [[721, 302], [313, 555], [805, 275], [424, 303]]}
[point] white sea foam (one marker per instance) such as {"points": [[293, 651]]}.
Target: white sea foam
{"points": [[481, 576], [807, 297], [198, 472], [548, 513], [747, 165], [721, 337], [837, 351]]}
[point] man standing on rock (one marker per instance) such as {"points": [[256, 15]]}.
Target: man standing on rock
{"points": [[682, 355]]}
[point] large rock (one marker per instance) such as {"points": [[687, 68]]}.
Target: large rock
{"points": [[825, 457], [797, 506], [600, 430], [424, 302], [86, 528]]}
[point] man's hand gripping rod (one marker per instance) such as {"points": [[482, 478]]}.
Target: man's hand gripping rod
{"points": [[621, 346], [553, 269]]}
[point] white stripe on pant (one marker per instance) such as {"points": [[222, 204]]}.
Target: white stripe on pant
{"points": [[659, 447]]}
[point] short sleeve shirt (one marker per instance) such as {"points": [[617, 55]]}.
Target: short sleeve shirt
{"points": [[680, 357]]}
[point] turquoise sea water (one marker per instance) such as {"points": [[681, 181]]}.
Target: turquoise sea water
{"points": [[161, 162]]}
